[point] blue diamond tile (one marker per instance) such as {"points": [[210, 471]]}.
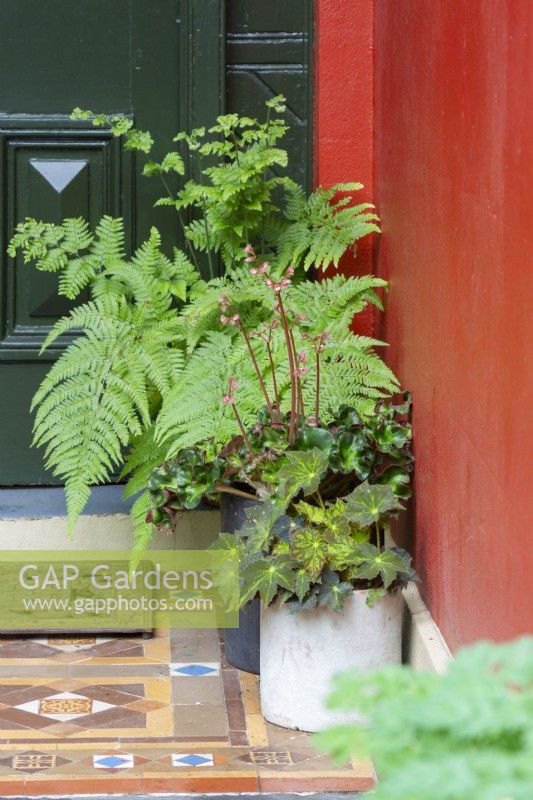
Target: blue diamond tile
{"points": [[113, 762], [192, 760], [195, 670]]}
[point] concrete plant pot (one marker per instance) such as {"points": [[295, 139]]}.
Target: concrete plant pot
{"points": [[301, 652]]}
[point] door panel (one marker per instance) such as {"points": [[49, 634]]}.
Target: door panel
{"points": [[268, 52], [51, 173]]}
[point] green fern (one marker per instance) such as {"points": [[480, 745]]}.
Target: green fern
{"points": [[101, 395], [321, 228], [352, 373]]}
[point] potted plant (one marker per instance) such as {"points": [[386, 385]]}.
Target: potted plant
{"points": [[302, 373]]}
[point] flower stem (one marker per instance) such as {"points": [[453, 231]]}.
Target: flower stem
{"points": [[273, 370], [298, 379], [317, 388], [292, 369], [241, 426], [257, 370]]}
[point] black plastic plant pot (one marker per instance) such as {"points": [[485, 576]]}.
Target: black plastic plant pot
{"points": [[242, 643]]}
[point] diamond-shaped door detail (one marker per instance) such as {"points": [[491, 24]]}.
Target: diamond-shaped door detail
{"points": [[58, 173]]}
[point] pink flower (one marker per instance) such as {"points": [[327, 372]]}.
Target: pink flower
{"points": [[228, 400], [224, 320], [234, 320], [302, 357], [249, 249], [250, 259], [233, 385], [290, 271]]}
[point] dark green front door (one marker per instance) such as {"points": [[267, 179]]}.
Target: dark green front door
{"points": [[170, 64], [130, 56]]}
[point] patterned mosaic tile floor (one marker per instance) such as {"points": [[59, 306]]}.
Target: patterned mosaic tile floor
{"points": [[117, 715]]}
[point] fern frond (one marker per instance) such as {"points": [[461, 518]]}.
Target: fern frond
{"points": [[321, 228], [142, 530], [332, 303]]}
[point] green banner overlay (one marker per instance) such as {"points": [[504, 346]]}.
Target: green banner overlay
{"points": [[90, 590]]}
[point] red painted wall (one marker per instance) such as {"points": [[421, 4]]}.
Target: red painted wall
{"points": [[343, 120], [454, 177]]}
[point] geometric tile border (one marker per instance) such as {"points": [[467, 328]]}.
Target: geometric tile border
{"points": [[113, 716]]}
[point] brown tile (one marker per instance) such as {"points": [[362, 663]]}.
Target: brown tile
{"points": [[21, 650], [116, 646], [118, 694], [145, 705], [238, 738], [16, 718], [60, 729], [6, 689], [23, 694], [73, 657], [64, 685], [116, 718], [233, 697]]}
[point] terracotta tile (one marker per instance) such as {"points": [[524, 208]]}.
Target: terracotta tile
{"points": [[105, 785], [11, 787], [200, 785], [293, 783]]}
